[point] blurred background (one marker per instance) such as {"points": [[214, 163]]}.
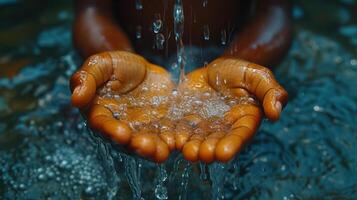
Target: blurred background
{"points": [[46, 151]]}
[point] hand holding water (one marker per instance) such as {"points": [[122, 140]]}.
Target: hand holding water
{"points": [[132, 101], [237, 79], [130, 77]]}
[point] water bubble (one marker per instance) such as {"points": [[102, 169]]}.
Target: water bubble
{"points": [[144, 89], [50, 174], [89, 190], [138, 32], [317, 108], [206, 33], [159, 41], [41, 177], [22, 186], [174, 92], [64, 164], [138, 5]]}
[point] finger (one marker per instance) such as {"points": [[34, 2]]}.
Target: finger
{"points": [[208, 146], [263, 84], [244, 133], [241, 110], [83, 86], [101, 119], [96, 70], [181, 138], [274, 100], [245, 120], [239, 92], [123, 71], [231, 144], [230, 73], [144, 144], [247, 124], [169, 139], [191, 149], [248, 121], [162, 151], [227, 147]]}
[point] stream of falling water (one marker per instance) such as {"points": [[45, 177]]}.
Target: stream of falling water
{"points": [[178, 16]]}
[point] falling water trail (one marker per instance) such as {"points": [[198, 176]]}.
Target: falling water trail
{"points": [[184, 180], [161, 177], [178, 15], [133, 173], [217, 173]]}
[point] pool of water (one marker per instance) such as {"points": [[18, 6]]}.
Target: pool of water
{"points": [[47, 152]]}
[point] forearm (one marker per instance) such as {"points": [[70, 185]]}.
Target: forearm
{"points": [[267, 36], [95, 29]]}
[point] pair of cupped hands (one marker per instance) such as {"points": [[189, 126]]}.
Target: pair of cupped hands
{"points": [[127, 73]]}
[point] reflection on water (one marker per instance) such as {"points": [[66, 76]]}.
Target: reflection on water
{"points": [[47, 152]]}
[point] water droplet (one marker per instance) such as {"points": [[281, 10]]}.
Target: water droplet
{"points": [[223, 37], [174, 65], [138, 5], [178, 20], [157, 24], [138, 32], [204, 3], [205, 63], [159, 41], [206, 34]]}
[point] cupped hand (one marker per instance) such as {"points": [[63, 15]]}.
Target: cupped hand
{"points": [[121, 94], [232, 78]]}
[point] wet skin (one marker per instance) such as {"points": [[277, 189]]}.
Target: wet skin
{"points": [[127, 73]]}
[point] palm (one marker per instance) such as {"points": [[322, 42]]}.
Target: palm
{"points": [[136, 104], [127, 102], [235, 80]]}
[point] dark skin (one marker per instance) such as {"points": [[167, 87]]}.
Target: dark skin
{"points": [[262, 38]]}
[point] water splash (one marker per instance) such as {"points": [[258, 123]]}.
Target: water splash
{"points": [[133, 173], [161, 177], [217, 174]]}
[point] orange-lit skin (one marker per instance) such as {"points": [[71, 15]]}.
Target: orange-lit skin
{"points": [[111, 61]]}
